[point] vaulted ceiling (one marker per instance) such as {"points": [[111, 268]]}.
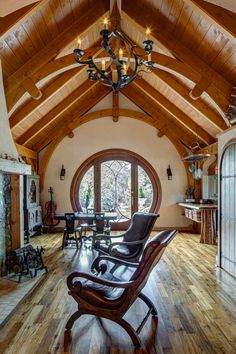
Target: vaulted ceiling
{"points": [[48, 94]]}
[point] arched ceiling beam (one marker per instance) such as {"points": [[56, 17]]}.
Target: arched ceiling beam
{"points": [[198, 105], [150, 106], [135, 15], [78, 121], [88, 100], [50, 51], [168, 108], [78, 94]]}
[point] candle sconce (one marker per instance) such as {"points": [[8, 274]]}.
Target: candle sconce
{"points": [[63, 173]]}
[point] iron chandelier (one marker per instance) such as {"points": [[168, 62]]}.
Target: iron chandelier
{"points": [[123, 64]]}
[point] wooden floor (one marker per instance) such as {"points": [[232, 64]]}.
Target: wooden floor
{"points": [[196, 304]]}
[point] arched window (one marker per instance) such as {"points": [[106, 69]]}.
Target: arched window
{"points": [[117, 181]]}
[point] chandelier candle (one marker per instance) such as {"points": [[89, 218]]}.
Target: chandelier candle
{"points": [[117, 71]]}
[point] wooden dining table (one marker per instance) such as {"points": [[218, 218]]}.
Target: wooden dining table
{"points": [[108, 216]]}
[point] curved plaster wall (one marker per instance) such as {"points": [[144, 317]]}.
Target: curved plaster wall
{"points": [[129, 134]]}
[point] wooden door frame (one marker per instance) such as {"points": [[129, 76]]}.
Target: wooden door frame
{"points": [[125, 155]]}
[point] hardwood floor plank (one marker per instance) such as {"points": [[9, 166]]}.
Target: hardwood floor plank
{"points": [[196, 304]]}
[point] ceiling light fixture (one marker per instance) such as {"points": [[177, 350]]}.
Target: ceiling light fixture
{"points": [[123, 64]]}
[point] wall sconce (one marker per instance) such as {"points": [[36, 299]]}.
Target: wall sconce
{"points": [[63, 173], [169, 173]]}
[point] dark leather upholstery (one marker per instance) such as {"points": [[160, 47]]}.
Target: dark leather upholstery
{"points": [[134, 239], [110, 298]]}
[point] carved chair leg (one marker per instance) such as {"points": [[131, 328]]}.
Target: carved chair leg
{"points": [[72, 319], [149, 303], [130, 330]]}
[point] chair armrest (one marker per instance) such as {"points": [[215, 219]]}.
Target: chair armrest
{"points": [[112, 260], [131, 243], [76, 286], [100, 237]]}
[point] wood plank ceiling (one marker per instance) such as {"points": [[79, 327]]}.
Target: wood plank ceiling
{"points": [[185, 96]]}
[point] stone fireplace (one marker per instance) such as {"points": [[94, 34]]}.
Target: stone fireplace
{"points": [[12, 169]]}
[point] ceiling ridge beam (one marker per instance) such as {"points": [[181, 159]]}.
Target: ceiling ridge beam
{"points": [[164, 38], [49, 52]]}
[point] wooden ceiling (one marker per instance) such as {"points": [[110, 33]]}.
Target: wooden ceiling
{"points": [[48, 93]]}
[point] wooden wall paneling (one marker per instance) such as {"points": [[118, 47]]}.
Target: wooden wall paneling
{"points": [[33, 33], [217, 16], [67, 12], [183, 20], [17, 49], [229, 66], [191, 28], [58, 14], [42, 28], [9, 60], [25, 41], [55, 46], [49, 19], [166, 7], [223, 56], [175, 11], [58, 110]]}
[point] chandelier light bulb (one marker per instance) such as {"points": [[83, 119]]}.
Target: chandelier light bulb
{"points": [[79, 43], [120, 54], [103, 65], [148, 31], [105, 22], [124, 69]]}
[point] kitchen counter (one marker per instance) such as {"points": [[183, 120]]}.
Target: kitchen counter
{"points": [[206, 215], [198, 206]]}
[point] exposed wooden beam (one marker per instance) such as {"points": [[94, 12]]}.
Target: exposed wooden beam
{"points": [[25, 152], [217, 16], [225, 4], [205, 111], [168, 107], [50, 51], [115, 106], [134, 14], [58, 110], [9, 6], [83, 105], [32, 105], [148, 104], [79, 120]]}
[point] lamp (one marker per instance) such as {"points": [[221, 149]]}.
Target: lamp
{"points": [[123, 64], [63, 173], [169, 173]]}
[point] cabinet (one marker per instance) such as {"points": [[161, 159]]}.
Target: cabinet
{"points": [[32, 209]]}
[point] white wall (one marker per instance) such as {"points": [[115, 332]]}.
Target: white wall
{"points": [[127, 134]]}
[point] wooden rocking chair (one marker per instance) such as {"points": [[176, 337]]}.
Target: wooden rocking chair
{"points": [[104, 297]]}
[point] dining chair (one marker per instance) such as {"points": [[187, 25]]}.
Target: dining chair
{"points": [[70, 231], [110, 298]]}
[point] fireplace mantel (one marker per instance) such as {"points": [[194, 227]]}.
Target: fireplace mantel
{"points": [[14, 167]]}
